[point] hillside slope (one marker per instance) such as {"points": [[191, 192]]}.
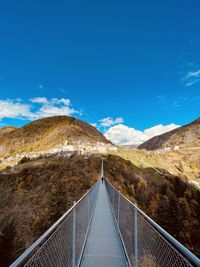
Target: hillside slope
{"points": [[47, 133], [7, 130], [188, 135]]}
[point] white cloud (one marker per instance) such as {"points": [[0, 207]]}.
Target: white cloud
{"points": [[14, 109], [94, 124], [195, 74], [119, 120], [28, 111], [159, 129], [51, 109], [64, 101], [40, 100], [62, 90], [176, 104], [191, 77], [107, 122], [124, 135]]}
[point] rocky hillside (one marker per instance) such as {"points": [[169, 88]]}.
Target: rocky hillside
{"points": [[7, 130], [185, 136], [47, 133]]}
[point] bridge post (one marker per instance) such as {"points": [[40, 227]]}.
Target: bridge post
{"points": [[74, 237], [135, 236]]}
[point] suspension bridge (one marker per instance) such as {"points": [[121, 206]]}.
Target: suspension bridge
{"points": [[104, 229]]}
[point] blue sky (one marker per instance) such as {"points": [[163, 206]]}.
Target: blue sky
{"points": [[137, 62]]}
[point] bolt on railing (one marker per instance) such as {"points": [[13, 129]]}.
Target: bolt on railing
{"points": [[145, 243], [63, 243]]}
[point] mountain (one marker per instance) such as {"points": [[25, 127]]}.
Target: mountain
{"points": [[6, 130], [185, 136], [47, 133]]}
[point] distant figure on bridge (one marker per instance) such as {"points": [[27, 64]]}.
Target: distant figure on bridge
{"points": [[102, 179]]}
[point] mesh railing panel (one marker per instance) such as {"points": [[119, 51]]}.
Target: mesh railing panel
{"points": [[153, 249], [81, 226], [57, 249]]}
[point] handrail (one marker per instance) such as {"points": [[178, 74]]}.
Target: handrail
{"points": [[29, 251], [183, 250]]}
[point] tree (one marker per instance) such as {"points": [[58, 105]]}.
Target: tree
{"points": [[153, 203], [162, 211]]}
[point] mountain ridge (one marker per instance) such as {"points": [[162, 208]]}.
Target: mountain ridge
{"points": [[182, 136]]}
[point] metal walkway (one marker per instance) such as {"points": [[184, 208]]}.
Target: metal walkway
{"points": [[103, 245]]}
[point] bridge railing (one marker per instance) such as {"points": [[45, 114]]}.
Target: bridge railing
{"points": [[145, 243], [63, 243]]}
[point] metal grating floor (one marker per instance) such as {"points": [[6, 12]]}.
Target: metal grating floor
{"points": [[103, 247]]}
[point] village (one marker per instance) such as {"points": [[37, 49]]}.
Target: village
{"points": [[66, 149]]}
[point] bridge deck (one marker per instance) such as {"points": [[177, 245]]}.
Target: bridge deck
{"points": [[103, 246]]}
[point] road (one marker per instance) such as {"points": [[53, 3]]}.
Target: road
{"points": [[148, 165]]}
